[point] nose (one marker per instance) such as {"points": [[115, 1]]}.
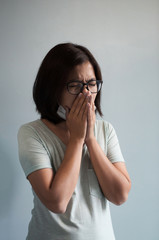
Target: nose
{"points": [[85, 91], [84, 88]]}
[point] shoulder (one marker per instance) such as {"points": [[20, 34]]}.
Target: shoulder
{"points": [[30, 125], [30, 129], [37, 133], [31, 135], [104, 125]]}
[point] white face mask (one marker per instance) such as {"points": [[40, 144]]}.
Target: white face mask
{"points": [[62, 112]]}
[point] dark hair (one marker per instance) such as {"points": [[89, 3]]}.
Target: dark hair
{"points": [[52, 76]]}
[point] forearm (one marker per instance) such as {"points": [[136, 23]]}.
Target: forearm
{"points": [[65, 180], [115, 185]]}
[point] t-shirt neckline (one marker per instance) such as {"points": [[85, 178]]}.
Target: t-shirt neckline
{"points": [[52, 133]]}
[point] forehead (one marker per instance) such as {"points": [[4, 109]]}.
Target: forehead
{"points": [[82, 71]]}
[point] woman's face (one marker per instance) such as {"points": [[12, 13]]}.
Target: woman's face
{"points": [[82, 72]]}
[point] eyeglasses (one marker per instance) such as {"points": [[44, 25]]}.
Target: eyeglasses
{"points": [[75, 87]]}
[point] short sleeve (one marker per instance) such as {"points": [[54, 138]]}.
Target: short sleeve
{"points": [[114, 153], [33, 154]]}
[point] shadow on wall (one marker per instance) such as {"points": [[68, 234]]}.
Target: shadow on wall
{"points": [[7, 178]]}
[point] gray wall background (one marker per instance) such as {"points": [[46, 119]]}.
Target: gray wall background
{"points": [[124, 37]]}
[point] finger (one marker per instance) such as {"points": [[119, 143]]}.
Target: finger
{"points": [[78, 102], [89, 114], [91, 102], [75, 103], [85, 112], [80, 108], [81, 104], [87, 105], [91, 111]]}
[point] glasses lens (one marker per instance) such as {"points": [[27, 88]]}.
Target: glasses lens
{"points": [[74, 87], [94, 86]]}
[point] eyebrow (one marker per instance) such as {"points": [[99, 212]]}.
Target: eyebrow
{"points": [[77, 80]]}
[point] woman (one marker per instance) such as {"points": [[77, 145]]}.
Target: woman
{"points": [[72, 161]]}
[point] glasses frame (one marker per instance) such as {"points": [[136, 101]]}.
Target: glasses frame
{"points": [[84, 84]]}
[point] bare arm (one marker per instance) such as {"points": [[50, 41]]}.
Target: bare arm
{"points": [[113, 178], [55, 191]]}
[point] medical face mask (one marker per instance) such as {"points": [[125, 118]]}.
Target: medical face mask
{"points": [[61, 112]]}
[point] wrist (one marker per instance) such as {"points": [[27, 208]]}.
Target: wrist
{"points": [[74, 140], [90, 140]]}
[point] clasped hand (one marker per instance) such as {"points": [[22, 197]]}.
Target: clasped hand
{"points": [[80, 120]]}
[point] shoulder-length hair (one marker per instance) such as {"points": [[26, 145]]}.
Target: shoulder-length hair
{"points": [[52, 77]]}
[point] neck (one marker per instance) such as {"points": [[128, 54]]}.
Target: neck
{"points": [[62, 125]]}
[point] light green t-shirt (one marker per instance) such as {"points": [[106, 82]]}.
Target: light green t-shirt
{"points": [[87, 216]]}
